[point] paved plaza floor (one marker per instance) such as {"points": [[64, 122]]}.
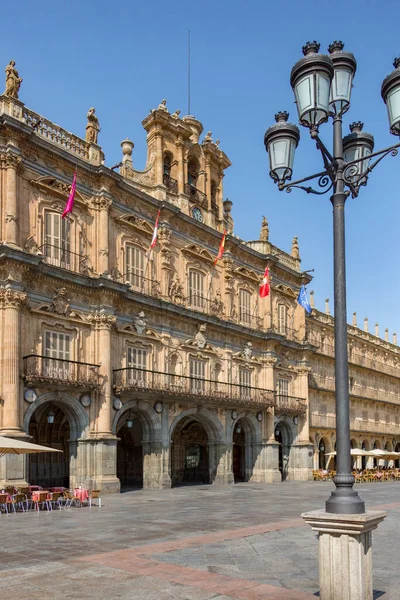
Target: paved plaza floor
{"points": [[245, 541]]}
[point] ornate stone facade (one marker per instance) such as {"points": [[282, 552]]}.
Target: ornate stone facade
{"points": [[159, 367]]}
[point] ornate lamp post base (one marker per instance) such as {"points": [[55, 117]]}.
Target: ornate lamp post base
{"points": [[345, 553]]}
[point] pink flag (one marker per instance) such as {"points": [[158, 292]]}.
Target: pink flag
{"points": [[154, 240], [71, 198]]}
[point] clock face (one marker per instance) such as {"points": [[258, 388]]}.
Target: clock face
{"points": [[86, 401], [197, 214], [30, 395]]}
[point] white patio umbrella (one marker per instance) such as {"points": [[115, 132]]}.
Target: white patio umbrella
{"points": [[13, 446]]}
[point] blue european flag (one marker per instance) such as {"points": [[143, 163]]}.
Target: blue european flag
{"points": [[302, 299]]}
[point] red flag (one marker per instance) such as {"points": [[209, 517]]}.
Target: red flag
{"points": [[154, 239], [221, 248], [264, 287], [71, 198]]}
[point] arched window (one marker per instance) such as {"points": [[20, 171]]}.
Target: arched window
{"points": [[57, 247], [282, 319], [193, 172], [170, 183], [245, 307], [196, 289], [135, 266]]}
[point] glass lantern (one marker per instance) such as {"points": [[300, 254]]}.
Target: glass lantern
{"points": [[357, 145], [50, 417], [311, 80], [281, 141], [345, 66], [391, 96]]}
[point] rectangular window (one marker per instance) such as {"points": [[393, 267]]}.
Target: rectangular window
{"points": [[136, 363], [245, 307], [282, 319], [57, 352], [245, 382], [135, 266], [283, 387], [57, 247], [197, 375], [196, 289]]}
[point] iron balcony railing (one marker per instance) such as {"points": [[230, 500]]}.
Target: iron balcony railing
{"points": [[290, 405], [59, 256], [150, 287], [196, 195], [182, 386], [43, 369], [170, 183]]}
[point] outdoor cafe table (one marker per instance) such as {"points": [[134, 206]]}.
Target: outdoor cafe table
{"points": [[82, 494], [36, 495], [35, 488]]}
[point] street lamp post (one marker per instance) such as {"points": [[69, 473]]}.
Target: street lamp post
{"points": [[322, 87]]}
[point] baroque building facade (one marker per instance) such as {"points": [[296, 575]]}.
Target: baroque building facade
{"points": [[159, 368]]}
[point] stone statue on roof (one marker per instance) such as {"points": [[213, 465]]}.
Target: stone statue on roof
{"points": [[163, 105], [13, 81], [92, 127], [207, 137], [176, 114], [264, 234]]}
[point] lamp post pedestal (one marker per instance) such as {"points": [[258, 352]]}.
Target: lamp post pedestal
{"points": [[345, 553]]}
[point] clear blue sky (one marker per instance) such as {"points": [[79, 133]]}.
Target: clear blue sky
{"points": [[124, 57]]}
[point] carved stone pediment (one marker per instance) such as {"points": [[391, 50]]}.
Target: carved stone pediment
{"points": [[199, 341], [136, 222], [246, 354], [54, 186], [248, 274], [197, 252], [285, 289]]}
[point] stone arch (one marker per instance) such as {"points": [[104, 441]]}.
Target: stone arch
{"points": [[205, 417], [150, 421], [246, 446], [285, 435], [72, 465], [77, 416], [199, 450]]}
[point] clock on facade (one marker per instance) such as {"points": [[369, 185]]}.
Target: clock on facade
{"points": [[30, 395], [197, 214]]}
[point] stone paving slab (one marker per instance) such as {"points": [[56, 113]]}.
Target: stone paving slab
{"points": [[193, 543]]}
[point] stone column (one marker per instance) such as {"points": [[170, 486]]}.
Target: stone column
{"points": [[208, 182], [12, 163], [12, 468], [11, 303], [220, 463], [103, 206], [302, 451], [159, 158], [103, 442], [345, 553], [181, 166], [155, 466]]}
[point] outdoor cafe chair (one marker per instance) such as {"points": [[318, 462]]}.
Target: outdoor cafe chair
{"points": [[69, 498], [5, 502], [43, 499], [19, 500], [94, 495], [55, 498]]}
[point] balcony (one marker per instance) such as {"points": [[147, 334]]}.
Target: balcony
{"points": [[290, 405], [65, 259], [192, 389], [196, 195], [170, 184], [39, 370]]}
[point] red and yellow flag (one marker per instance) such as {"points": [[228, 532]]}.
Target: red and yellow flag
{"points": [[221, 248]]}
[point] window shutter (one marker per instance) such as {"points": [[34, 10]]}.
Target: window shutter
{"points": [[135, 259], [282, 319], [196, 289], [245, 306]]}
